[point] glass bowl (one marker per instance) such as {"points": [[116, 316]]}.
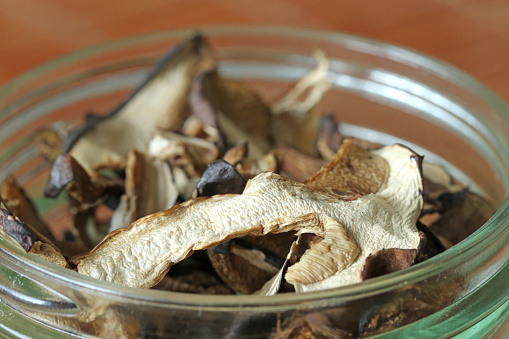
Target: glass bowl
{"points": [[381, 92]]}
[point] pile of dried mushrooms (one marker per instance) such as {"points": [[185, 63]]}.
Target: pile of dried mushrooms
{"points": [[212, 190]]}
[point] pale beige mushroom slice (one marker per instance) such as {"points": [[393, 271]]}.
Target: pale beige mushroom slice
{"points": [[296, 118], [141, 254], [160, 102], [149, 188]]}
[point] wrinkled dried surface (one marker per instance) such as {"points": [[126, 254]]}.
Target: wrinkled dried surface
{"points": [[353, 171], [141, 254]]}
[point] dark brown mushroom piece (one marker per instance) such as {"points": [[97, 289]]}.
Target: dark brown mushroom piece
{"points": [[85, 192], [17, 229], [19, 203], [25, 236], [220, 178]]}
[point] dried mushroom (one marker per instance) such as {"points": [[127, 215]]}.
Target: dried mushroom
{"points": [[149, 188], [159, 102], [18, 203], [235, 110], [141, 254], [296, 119]]}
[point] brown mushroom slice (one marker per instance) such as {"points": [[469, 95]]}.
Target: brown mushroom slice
{"points": [[237, 267], [49, 253], [141, 254], [17, 202], [17, 229], [235, 109], [329, 138], [149, 188], [160, 102], [352, 172], [272, 286], [23, 234], [296, 120], [463, 218], [49, 143], [236, 154], [387, 261], [295, 164]]}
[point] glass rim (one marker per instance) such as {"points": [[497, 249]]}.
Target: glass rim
{"points": [[495, 227]]}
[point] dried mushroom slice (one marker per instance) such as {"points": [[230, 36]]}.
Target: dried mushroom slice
{"points": [[49, 143], [235, 109], [141, 254], [17, 202], [352, 172], [189, 153], [159, 102], [49, 253], [149, 188], [296, 120], [13, 226], [17, 229], [295, 164], [463, 219]]}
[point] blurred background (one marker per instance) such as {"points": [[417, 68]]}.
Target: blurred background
{"points": [[472, 35]]}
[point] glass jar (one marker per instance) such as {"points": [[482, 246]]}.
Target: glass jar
{"points": [[380, 92]]}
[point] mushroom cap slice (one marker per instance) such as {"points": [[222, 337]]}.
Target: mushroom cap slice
{"points": [[141, 254], [159, 102]]}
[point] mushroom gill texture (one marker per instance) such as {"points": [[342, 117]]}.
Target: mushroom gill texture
{"points": [[141, 254]]}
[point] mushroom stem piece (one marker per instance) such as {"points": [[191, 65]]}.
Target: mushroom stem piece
{"points": [[141, 254]]}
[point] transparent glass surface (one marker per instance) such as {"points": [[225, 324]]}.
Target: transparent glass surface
{"points": [[380, 92]]}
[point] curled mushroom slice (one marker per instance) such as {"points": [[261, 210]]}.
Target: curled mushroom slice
{"points": [[149, 188], [159, 102], [296, 119], [141, 254]]}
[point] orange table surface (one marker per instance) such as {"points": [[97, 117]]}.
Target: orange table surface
{"points": [[472, 35]]}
